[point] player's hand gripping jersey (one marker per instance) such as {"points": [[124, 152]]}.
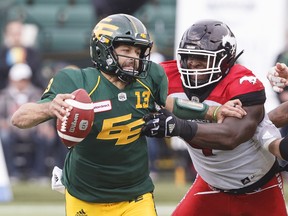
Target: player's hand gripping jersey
{"points": [[220, 168], [112, 159]]}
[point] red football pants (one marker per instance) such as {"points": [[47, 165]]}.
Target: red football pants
{"points": [[201, 200]]}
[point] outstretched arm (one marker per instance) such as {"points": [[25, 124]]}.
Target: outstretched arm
{"points": [[279, 115], [186, 109], [225, 136], [32, 114], [231, 133]]}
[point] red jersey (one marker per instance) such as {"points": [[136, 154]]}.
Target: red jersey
{"points": [[239, 81], [238, 168]]}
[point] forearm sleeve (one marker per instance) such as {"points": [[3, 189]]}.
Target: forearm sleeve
{"points": [[186, 109]]}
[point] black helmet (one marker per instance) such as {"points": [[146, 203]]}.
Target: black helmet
{"points": [[210, 40], [112, 31]]}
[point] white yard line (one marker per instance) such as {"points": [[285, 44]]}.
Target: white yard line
{"points": [[57, 210]]}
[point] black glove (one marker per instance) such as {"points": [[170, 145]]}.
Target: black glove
{"points": [[166, 124], [162, 124]]}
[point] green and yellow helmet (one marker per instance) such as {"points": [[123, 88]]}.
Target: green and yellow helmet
{"points": [[120, 29]]}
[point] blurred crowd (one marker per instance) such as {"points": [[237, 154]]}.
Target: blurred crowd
{"points": [[29, 154]]}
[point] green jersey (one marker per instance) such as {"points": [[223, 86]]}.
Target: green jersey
{"points": [[111, 163]]}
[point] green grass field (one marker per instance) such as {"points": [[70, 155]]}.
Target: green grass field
{"points": [[32, 199]]}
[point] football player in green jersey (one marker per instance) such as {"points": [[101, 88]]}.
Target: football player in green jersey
{"points": [[107, 173]]}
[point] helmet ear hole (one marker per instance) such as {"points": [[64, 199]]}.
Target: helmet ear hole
{"points": [[98, 51]]}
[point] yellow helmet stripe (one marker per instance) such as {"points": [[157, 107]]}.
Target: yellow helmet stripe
{"points": [[99, 30], [136, 30], [134, 25]]}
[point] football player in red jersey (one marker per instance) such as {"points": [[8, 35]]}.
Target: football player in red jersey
{"points": [[237, 174]]}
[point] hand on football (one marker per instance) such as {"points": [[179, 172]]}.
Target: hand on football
{"points": [[59, 108], [278, 77]]}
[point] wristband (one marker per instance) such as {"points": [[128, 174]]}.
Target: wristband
{"points": [[214, 116], [283, 148], [188, 129], [186, 109]]}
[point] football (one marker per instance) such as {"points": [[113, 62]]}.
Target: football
{"points": [[78, 124]]}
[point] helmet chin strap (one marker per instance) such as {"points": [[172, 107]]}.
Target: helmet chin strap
{"points": [[235, 59], [124, 77], [123, 80]]}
